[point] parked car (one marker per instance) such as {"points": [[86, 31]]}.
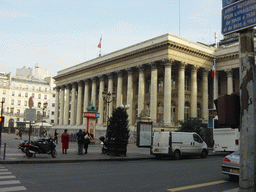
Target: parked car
{"points": [[230, 164]]}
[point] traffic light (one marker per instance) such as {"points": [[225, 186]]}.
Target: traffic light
{"points": [[2, 121]]}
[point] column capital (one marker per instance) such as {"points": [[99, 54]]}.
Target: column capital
{"points": [[194, 68], [80, 83], [57, 88], [182, 65], [102, 78], [68, 86], [119, 73], [141, 68], [130, 71], [168, 61], [153, 65], [63, 87], [74, 84], [110, 75], [205, 71], [229, 72]]}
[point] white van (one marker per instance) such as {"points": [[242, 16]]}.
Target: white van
{"points": [[177, 144]]}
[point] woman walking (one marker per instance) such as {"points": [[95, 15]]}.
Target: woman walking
{"points": [[65, 141]]}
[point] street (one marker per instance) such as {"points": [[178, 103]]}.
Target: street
{"points": [[143, 175]]}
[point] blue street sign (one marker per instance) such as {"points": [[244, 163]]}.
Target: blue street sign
{"points": [[238, 16], [97, 115]]}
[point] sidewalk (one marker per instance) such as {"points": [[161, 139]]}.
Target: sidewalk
{"points": [[14, 155]]}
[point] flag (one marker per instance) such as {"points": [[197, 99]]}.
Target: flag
{"points": [[213, 68], [100, 42]]}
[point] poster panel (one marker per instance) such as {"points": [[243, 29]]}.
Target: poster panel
{"points": [[92, 129], [144, 133]]}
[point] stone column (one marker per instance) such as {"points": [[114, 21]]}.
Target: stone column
{"points": [[56, 113], [119, 89], [215, 88], [73, 105], [101, 104], [130, 95], [141, 91], [193, 104], [110, 90], [229, 81], [79, 113], [153, 93], [181, 91], [66, 107], [205, 94], [167, 91], [86, 100], [93, 94], [62, 95]]}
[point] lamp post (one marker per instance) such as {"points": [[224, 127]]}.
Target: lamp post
{"points": [[10, 121], [108, 98], [1, 127], [45, 104]]}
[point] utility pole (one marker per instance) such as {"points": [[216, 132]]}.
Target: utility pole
{"points": [[248, 110]]}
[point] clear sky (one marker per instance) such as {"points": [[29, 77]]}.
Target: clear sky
{"points": [[57, 34]]}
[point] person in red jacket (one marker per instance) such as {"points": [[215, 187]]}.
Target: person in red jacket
{"points": [[65, 141]]}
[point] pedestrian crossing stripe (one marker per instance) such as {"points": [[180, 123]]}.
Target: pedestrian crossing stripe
{"points": [[7, 183]]}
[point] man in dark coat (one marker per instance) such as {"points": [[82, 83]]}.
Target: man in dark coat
{"points": [[80, 140]]}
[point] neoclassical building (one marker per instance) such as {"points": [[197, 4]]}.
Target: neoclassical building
{"points": [[169, 74]]}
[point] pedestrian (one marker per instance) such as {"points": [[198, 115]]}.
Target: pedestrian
{"points": [[56, 136], [80, 141], [86, 142], [20, 133], [65, 141]]}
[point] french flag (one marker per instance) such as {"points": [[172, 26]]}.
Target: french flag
{"points": [[213, 68], [100, 42]]}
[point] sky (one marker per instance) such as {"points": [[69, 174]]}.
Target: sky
{"points": [[58, 34]]}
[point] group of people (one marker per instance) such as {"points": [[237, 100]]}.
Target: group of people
{"points": [[83, 140]]}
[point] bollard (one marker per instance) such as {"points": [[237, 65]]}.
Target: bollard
{"points": [[4, 151]]}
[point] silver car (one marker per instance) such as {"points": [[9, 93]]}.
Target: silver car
{"points": [[230, 164]]}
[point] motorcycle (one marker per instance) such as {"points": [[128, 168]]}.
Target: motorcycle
{"points": [[40, 146]]}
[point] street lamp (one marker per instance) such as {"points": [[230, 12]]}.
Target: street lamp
{"points": [[108, 98], [10, 121], [2, 110], [45, 104]]}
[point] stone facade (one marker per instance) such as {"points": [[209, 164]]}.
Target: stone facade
{"points": [[169, 74]]}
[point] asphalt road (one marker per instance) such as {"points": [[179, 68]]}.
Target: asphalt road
{"points": [[143, 175]]}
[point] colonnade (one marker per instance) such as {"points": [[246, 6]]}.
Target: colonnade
{"points": [[69, 112]]}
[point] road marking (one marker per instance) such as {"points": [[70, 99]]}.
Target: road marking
{"points": [[196, 186], [7, 177], [19, 188], [9, 182], [5, 173]]}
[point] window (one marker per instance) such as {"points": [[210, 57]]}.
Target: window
{"points": [[39, 96], [53, 104], [187, 83], [4, 92], [173, 112], [25, 103], [199, 110], [18, 111], [40, 88], [18, 119], [52, 112], [12, 102], [45, 89], [27, 87], [19, 94], [186, 110], [197, 138], [53, 95], [19, 102], [13, 93], [26, 94], [160, 85], [173, 84], [33, 95], [45, 96]]}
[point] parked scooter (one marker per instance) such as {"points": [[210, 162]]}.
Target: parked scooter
{"points": [[40, 146], [105, 145]]}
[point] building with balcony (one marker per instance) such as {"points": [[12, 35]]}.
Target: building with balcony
{"points": [[16, 91]]}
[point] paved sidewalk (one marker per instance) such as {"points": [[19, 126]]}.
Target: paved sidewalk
{"points": [[15, 155]]}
